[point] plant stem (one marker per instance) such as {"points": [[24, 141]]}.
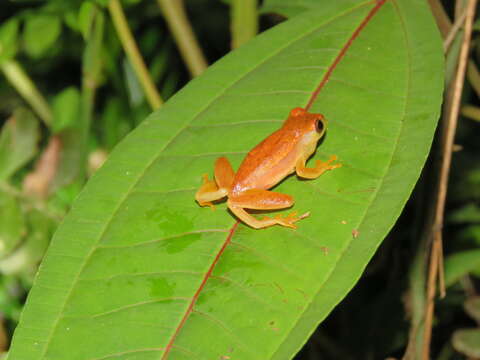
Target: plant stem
{"points": [[244, 21], [133, 53], [74, 140], [452, 108], [176, 17], [441, 17], [453, 31], [27, 89], [91, 70]]}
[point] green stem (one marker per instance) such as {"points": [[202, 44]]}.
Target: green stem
{"points": [[133, 53], [74, 139], [176, 17], [27, 89], [91, 70], [244, 21]]}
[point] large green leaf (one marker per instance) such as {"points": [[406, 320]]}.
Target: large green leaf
{"points": [[290, 7], [138, 267]]}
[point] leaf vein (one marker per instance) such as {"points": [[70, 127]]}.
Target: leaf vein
{"points": [[268, 259], [141, 303], [220, 323], [149, 242]]}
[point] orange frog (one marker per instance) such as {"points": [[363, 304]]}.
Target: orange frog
{"points": [[279, 155]]}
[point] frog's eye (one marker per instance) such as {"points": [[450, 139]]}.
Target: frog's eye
{"points": [[319, 125]]}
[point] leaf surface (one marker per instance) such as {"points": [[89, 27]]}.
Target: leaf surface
{"points": [[139, 271], [289, 7]]}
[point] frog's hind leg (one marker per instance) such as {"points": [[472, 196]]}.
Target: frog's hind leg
{"points": [[217, 189], [263, 200]]}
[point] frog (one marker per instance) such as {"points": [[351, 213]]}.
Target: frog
{"points": [[279, 155]]}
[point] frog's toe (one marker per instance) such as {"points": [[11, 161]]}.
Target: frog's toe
{"points": [[290, 219], [207, 203]]}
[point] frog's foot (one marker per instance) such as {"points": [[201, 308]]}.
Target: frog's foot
{"points": [[209, 192], [319, 169], [289, 220], [207, 203], [322, 166]]}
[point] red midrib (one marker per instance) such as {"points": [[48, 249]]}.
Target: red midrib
{"points": [[169, 346], [341, 54], [343, 51]]}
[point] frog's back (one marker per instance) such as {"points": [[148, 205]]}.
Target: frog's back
{"points": [[268, 162]]}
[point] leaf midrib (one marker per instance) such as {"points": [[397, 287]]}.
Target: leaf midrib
{"points": [[382, 179]]}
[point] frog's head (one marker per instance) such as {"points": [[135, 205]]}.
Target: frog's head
{"points": [[307, 128], [306, 123]]}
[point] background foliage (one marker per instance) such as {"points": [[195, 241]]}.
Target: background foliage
{"points": [[70, 95]]}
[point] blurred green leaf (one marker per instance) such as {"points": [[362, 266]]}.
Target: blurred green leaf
{"points": [[134, 88], [467, 342], [72, 159], [66, 109], [75, 138], [469, 233], [472, 307], [24, 260], [12, 224], [92, 59], [40, 33], [136, 246], [476, 25], [104, 3], [460, 264], [114, 123], [466, 214], [8, 39], [170, 84], [85, 18], [18, 142], [64, 197], [159, 65], [71, 20], [467, 186], [9, 303]]}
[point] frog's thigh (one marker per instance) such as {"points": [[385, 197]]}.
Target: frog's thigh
{"points": [[261, 200], [224, 173]]}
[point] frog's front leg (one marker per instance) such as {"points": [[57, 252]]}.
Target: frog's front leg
{"points": [[258, 199], [217, 189], [319, 169]]}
